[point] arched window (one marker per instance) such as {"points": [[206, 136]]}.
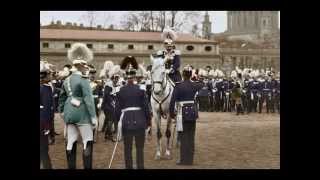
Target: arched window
{"points": [[189, 48], [208, 48], [130, 46]]}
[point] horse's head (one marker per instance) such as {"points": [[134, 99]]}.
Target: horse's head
{"points": [[158, 74]]}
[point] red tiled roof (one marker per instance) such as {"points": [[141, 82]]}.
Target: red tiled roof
{"points": [[71, 34]]}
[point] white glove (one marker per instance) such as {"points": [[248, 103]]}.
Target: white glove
{"points": [[46, 132], [100, 103], [94, 122]]}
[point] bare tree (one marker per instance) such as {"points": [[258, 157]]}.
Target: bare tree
{"points": [[162, 20], [90, 17], [106, 19], [173, 18], [158, 20], [151, 19]]}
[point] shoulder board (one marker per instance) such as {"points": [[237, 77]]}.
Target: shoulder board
{"points": [[142, 87], [177, 52]]}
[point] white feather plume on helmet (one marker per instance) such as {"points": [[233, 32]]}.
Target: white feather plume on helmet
{"points": [[203, 72], [233, 74], [252, 74], [245, 72], [213, 73], [45, 66], [115, 70], [142, 72], [168, 33], [79, 53], [221, 73], [108, 65]]}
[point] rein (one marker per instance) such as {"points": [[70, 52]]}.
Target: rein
{"points": [[166, 97]]}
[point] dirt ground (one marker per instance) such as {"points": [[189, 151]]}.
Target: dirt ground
{"points": [[223, 141]]}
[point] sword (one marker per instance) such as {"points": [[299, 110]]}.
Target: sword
{"points": [[114, 150]]}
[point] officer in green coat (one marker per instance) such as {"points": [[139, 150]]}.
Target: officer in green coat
{"points": [[76, 104]]}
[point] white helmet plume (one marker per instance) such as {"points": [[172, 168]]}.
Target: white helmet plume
{"points": [[80, 53], [168, 33]]}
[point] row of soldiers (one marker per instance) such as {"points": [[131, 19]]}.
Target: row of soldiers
{"points": [[249, 88]]}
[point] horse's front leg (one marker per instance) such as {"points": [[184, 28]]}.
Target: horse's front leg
{"points": [[168, 135], [158, 123]]}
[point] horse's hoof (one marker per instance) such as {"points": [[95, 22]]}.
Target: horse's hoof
{"points": [[158, 156], [168, 155]]}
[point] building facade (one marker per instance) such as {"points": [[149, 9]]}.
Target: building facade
{"points": [[252, 39], [115, 45]]}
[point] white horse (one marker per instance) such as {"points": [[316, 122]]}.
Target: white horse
{"points": [[162, 88]]}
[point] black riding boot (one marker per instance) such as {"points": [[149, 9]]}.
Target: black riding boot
{"points": [[71, 156], [87, 155], [238, 109]]}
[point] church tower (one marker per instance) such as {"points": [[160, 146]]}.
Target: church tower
{"points": [[206, 27]]}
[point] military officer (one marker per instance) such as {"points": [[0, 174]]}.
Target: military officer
{"points": [[171, 55], [219, 92], [266, 90], [255, 94], [109, 100], [183, 95], [204, 93], [237, 94], [245, 98], [46, 114], [76, 104], [133, 113]]}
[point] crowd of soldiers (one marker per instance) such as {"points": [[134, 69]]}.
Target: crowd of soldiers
{"points": [[249, 88], [80, 95]]}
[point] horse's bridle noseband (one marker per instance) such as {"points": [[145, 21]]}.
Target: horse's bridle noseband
{"points": [[161, 84]]}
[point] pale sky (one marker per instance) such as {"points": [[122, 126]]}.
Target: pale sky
{"points": [[218, 18]]}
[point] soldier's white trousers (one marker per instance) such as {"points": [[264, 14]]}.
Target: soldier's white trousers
{"points": [[73, 132]]}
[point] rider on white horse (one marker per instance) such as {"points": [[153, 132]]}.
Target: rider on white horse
{"points": [[170, 54]]}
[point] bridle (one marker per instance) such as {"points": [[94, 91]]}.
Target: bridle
{"points": [[163, 87]]}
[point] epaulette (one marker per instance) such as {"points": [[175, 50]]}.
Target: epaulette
{"points": [[160, 53]]}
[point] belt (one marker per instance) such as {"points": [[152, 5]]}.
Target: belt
{"points": [[179, 115], [122, 114], [266, 89], [181, 103], [95, 96]]}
